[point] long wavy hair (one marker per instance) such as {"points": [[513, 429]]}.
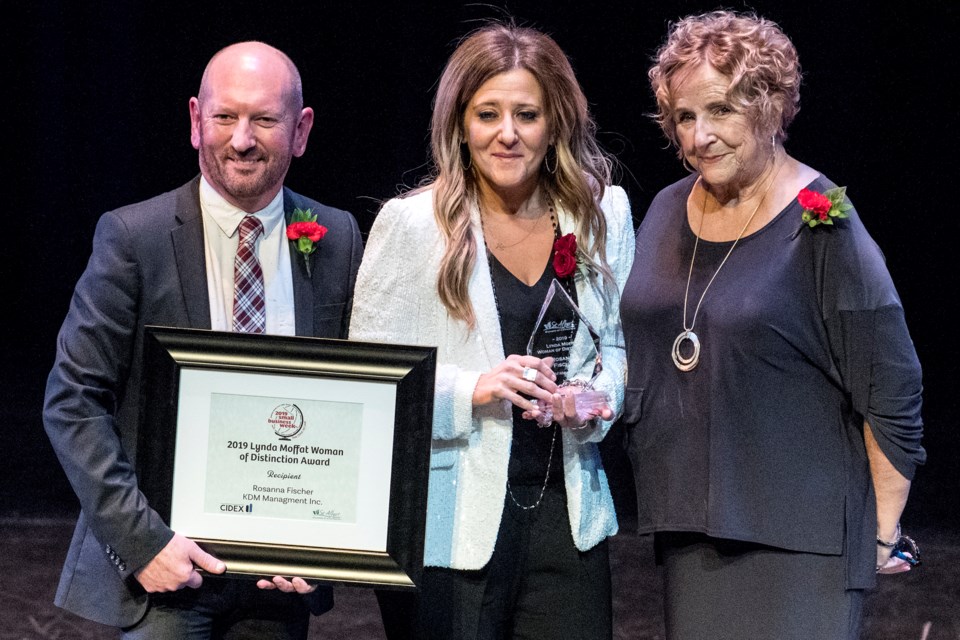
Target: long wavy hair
{"points": [[753, 52], [582, 168]]}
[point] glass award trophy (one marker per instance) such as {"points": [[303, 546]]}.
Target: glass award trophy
{"points": [[553, 336]]}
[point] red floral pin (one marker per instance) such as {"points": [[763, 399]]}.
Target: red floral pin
{"points": [[306, 233], [822, 208], [565, 255]]}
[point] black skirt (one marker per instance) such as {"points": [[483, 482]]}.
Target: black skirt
{"points": [[726, 589]]}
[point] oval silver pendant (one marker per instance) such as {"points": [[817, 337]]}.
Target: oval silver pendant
{"points": [[686, 363]]}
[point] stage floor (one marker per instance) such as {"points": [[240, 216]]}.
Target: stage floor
{"points": [[921, 604]]}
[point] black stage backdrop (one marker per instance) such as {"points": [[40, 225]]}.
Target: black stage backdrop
{"points": [[96, 117]]}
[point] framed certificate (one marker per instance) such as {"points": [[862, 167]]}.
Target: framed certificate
{"points": [[290, 456]]}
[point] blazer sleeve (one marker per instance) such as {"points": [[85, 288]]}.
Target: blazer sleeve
{"points": [[386, 299], [620, 249], [95, 352], [395, 301]]}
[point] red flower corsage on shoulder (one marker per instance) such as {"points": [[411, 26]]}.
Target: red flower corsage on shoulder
{"points": [[565, 255], [822, 208]]}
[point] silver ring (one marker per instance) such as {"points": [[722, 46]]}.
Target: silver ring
{"points": [[529, 374]]}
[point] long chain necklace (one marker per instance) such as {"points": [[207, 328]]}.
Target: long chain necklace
{"points": [[556, 427], [499, 246], [686, 363]]}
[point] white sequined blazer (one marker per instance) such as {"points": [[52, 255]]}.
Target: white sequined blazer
{"points": [[396, 301]]}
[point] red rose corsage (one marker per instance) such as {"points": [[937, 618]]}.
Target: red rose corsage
{"points": [[306, 233], [565, 255]]}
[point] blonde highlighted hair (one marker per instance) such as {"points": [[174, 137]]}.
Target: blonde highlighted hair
{"points": [[582, 168]]}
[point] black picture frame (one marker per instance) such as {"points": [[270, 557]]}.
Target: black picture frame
{"points": [[176, 357]]}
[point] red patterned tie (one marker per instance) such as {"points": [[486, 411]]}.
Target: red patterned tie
{"points": [[249, 309]]}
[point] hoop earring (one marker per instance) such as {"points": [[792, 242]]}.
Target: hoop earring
{"points": [[687, 165], [551, 151], [465, 151]]}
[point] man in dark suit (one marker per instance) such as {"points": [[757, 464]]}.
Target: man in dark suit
{"points": [[170, 261]]}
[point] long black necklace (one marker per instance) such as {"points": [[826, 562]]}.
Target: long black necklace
{"points": [[568, 284]]}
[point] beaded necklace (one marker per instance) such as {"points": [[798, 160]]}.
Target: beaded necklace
{"points": [[568, 284]]}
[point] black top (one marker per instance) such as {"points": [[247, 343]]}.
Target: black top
{"points": [[803, 338], [518, 306]]}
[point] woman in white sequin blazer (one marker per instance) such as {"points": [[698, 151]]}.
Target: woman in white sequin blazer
{"points": [[462, 264]]}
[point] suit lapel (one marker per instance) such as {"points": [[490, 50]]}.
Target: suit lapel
{"points": [[189, 251], [303, 286]]}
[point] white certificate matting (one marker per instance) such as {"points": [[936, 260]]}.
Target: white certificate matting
{"points": [[283, 459]]}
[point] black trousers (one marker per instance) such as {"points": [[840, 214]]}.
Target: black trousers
{"points": [[223, 609], [537, 585]]}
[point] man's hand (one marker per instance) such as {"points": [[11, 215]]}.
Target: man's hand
{"points": [[296, 585], [175, 567]]}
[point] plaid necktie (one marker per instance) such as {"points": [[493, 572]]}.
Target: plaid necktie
{"points": [[249, 309]]}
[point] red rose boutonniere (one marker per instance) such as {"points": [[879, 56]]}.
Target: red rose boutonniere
{"points": [[565, 255], [306, 233], [822, 208]]}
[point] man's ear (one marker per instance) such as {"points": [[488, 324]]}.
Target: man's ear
{"points": [[195, 123], [304, 125]]}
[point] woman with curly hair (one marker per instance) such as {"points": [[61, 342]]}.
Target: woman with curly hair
{"points": [[773, 396]]}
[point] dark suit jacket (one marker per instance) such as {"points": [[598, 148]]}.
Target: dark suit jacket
{"points": [[147, 268]]}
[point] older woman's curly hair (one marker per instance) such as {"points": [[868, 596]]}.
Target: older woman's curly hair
{"points": [[753, 52]]}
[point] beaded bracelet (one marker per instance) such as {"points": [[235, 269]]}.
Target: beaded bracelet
{"points": [[890, 545]]}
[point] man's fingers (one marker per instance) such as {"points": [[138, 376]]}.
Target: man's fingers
{"points": [[302, 586], [194, 580], [206, 561], [265, 584]]}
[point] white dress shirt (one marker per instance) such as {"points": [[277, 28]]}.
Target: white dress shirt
{"points": [[221, 220]]}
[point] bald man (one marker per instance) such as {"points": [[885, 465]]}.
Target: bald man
{"points": [[170, 261]]}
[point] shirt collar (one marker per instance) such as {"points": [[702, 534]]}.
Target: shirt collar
{"points": [[228, 217]]}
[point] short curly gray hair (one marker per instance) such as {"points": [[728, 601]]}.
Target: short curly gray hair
{"points": [[753, 52]]}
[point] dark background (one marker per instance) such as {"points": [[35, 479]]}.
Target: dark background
{"points": [[95, 117]]}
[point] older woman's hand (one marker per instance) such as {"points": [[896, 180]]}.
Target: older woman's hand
{"points": [[893, 565], [520, 379], [899, 558]]}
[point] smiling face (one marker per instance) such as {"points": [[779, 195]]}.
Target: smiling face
{"points": [[506, 130], [246, 124], [716, 138]]}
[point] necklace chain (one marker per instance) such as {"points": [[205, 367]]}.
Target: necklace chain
{"points": [[556, 428], [686, 363], [553, 441], [546, 478], [536, 223]]}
